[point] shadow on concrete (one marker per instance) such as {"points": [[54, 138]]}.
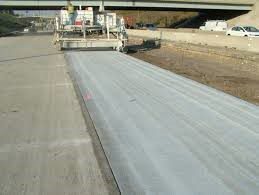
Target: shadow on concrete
{"points": [[30, 57], [39, 33], [21, 33]]}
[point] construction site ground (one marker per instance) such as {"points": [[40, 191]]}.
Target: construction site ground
{"points": [[48, 144], [234, 72]]}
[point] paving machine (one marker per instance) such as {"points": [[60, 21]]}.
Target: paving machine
{"points": [[89, 28]]}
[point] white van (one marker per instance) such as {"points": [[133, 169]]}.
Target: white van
{"points": [[215, 25]]}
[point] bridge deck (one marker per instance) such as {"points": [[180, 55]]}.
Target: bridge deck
{"points": [[190, 4]]}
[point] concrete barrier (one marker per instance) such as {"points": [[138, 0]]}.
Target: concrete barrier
{"points": [[239, 43]]}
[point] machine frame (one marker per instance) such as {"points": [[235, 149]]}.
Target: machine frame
{"points": [[89, 34]]}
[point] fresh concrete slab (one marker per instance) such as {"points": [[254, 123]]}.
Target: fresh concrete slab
{"points": [[165, 134]]}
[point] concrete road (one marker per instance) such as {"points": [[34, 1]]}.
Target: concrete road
{"points": [[165, 134], [45, 147]]}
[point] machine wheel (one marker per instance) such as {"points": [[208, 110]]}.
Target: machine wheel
{"points": [[125, 50], [60, 48]]}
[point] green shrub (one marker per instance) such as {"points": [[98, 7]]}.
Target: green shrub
{"points": [[9, 23]]}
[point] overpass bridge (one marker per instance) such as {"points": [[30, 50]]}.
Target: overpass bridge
{"points": [[176, 4]]}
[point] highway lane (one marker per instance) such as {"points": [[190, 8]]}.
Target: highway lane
{"points": [[165, 134], [45, 146]]}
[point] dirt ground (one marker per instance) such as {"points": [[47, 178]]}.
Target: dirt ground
{"points": [[231, 71]]}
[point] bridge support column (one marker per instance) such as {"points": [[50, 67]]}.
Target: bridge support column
{"points": [[256, 9], [250, 18]]}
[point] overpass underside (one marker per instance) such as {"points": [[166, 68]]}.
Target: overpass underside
{"points": [[167, 4]]}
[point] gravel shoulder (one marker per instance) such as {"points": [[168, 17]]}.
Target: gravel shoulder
{"points": [[234, 72]]}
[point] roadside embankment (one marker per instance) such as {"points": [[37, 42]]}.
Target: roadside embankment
{"points": [[10, 23], [218, 40]]}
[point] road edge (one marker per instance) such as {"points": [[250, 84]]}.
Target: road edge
{"points": [[99, 152]]}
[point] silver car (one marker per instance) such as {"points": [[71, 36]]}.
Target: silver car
{"points": [[243, 31]]}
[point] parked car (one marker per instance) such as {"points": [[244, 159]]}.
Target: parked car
{"points": [[26, 29], [150, 26], [243, 31], [139, 26], [215, 25]]}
